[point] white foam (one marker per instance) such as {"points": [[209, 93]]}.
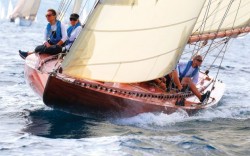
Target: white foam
{"points": [[149, 120]]}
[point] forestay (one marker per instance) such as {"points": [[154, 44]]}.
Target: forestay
{"points": [[132, 40], [26, 9]]}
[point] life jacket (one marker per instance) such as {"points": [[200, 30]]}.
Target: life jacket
{"points": [[70, 30], [189, 64], [54, 38]]}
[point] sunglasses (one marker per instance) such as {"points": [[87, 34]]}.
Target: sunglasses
{"points": [[199, 60], [73, 19], [49, 15]]}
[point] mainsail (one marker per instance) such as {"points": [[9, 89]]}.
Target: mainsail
{"points": [[26, 9], [132, 40], [220, 18]]}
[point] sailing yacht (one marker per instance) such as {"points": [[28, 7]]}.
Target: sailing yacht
{"points": [[25, 12], [126, 44]]}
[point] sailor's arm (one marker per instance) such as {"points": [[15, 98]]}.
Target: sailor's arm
{"points": [[64, 35], [45, 42], [74, 34]]}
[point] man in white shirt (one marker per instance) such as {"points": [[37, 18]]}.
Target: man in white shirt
{"points": [[54, 36], [73, 31], [187, 74]]}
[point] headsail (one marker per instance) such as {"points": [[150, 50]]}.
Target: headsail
{"points": [[26, 9], [220, 18], [132, 40]]}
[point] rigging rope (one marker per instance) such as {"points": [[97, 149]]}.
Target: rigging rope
{"points": [[203, 24], [60, 6], [64, 9], [199, 46], [226, 46], [225, 43], [236, 14], [81, 11], [89, 12], [222, 21]]}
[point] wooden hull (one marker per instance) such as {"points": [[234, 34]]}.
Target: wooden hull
{"points": [[86, 96], [78, 99], [37, 73]]}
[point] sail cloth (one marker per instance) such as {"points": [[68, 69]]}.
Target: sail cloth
{"points": [[222, 15], [132, 40], [26, 9]]}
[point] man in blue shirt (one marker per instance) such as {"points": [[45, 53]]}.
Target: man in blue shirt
{"points": [[54, 36]]}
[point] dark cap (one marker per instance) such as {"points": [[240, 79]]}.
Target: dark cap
{"points": [[74, 16]]}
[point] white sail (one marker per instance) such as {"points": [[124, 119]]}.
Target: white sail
{"points": [[34, 9], [26, 9], [10, 9], [236, 12], [18, 9], [132, 40]]}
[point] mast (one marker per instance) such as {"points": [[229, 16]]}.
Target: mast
{"points": [[132, 40]]}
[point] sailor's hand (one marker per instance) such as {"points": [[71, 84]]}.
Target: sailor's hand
{"points": [[180, 87], [202, 82], [208, 78], [47, 44], [160, 83], [163, 79], [163, 85]]}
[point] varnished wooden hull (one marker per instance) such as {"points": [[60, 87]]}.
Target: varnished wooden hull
{"points": [[86, 96], [35, 78], [78, 99]]}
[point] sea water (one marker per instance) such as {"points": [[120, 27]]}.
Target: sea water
{"points": [[28, 127]]}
